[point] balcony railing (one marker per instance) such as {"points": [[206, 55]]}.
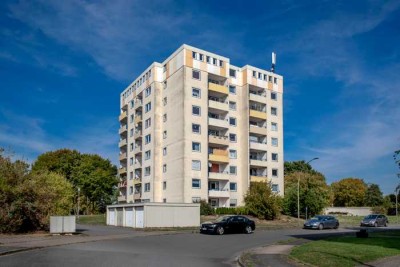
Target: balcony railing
{"points": [[123, 129], [257, 178], [122, 170], [122, 143], [218, 155], [122, 183], [258, 163], [261, 98], [220, 140], [122, 156], [220, 123], [259, 146], [123, 116], [218, 193], [137, 195], [258, 114], [220, 105], [258, 130], [219, 176], [218, 88]]}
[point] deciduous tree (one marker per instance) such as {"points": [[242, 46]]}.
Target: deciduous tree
{"points": [[261, 202], [373, 196], [349, 192]]}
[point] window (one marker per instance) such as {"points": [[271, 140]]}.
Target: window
{"points": [[131, 118], [164, 117], [274, 141], [147, 139], [194, 55], [147, 187], [232, 169], [196, 128], [131, 132], [165, 101], [214, 61], [221, 63], [270, 79], [196, 183], [147, 123], [130, 190], [232, 203], [254, 74], [274, 172], [196, 146], [132, 103], [274, 156], [131, 161], [147, 155], [196, 74], [232, 105], [196, 199], [232, 137], [274, 96], [131, 147], [265, 77], [201, 57], [131, 176], [208, 59], [274, 111], [147, 91], [164, 134], [196, 166], [164, 185], [196, 110], [147, 107], [232, 121], [232, 73], [165, 68], [164, 168], [275, 80], [275, 188], [260, 76], [232, 89], [165, 84], [232, 186], [232, 154], [147, 171], [164, 151], [274, 126], [196, 92]]}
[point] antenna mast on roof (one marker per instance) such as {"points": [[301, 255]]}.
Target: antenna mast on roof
{"points": [[273, 62]]}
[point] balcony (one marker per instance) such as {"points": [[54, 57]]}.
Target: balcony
{"points": [[138, 165], [137, 134], [122, 170], [137, 181], [218, 88], [123, 116], [218, 123], [254, 178], [258, 98], [218, 140], [258, 114], [219, 156], [121, 199], [258, 130], [137, 195], [122, 184], [122, 156], [123, 129], [218, 176], [138, 103], [138, 119], [258, 146], [258, 163], [218, 105], [138, 149], [218, 193], [122, 143]]}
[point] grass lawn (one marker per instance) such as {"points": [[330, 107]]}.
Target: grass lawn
{"points": [[345, 220], [98, 219], [348, 250]]}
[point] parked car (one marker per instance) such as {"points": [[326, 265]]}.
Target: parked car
{"points": [[321, 222], [229, 224], [375, 220]]}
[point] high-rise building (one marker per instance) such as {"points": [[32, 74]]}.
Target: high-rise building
{"points": [[196, 127]]}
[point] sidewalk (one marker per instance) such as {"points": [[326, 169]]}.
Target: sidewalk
{"points": [[86, 233]]}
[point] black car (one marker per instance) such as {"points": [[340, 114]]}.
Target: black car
{"points": [[321, 222], [229, 224]]}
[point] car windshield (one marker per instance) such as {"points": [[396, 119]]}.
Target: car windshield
{"points": [[222, 219], [318, 218], [371, 217]]}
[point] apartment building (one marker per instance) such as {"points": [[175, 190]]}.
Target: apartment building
{"points": [[196, 127]]}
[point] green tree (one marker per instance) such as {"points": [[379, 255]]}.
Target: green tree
{"points": [[261, 202], [314, 193], [349, 192], [299, 166], [27, 199], [373, 196]]}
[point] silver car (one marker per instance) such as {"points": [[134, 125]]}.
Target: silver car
{"points": [[375, 220], [321, 222]]}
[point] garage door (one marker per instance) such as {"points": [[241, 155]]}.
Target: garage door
{"points": [[120, 217], [139, 217], [111, 217], [129, 217]]}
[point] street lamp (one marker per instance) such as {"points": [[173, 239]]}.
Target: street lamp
{"points": [[397, 194], [298, 191], [79, 190]]}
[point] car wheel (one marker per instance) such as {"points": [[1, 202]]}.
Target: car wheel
{"points": [[336, 226], [376, 224], [220, 230], [320, 226], [385, 224], [248, 229]]}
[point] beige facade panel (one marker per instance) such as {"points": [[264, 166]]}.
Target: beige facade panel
{"points": [[258, 163], [258, 114], [218, 140], [218, 88], [258, 146], [258, 98], [223, 176], [218, 194], [258, 130], [218, 123]]}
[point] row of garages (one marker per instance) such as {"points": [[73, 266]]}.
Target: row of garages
{"points": [[145, 215]]}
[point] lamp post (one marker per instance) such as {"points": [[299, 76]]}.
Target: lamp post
{"points": [[397, 194], [79, 190], [298, 190]]}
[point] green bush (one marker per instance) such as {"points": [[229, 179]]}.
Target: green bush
{"points": [[379, 210], [261, 202], [232, 210], [205, 208]]}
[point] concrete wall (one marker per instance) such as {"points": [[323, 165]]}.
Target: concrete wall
{"points": [[156, 215], [355, 211]]}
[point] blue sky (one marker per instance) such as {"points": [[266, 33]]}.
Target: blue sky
{"points": [[63, 65]]}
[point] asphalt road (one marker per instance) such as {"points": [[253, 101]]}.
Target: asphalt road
{"points": [[182, 249]]}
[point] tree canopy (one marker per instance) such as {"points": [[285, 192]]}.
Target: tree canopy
{"points": [[373, 196], [261, 202], [349, 192]]}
